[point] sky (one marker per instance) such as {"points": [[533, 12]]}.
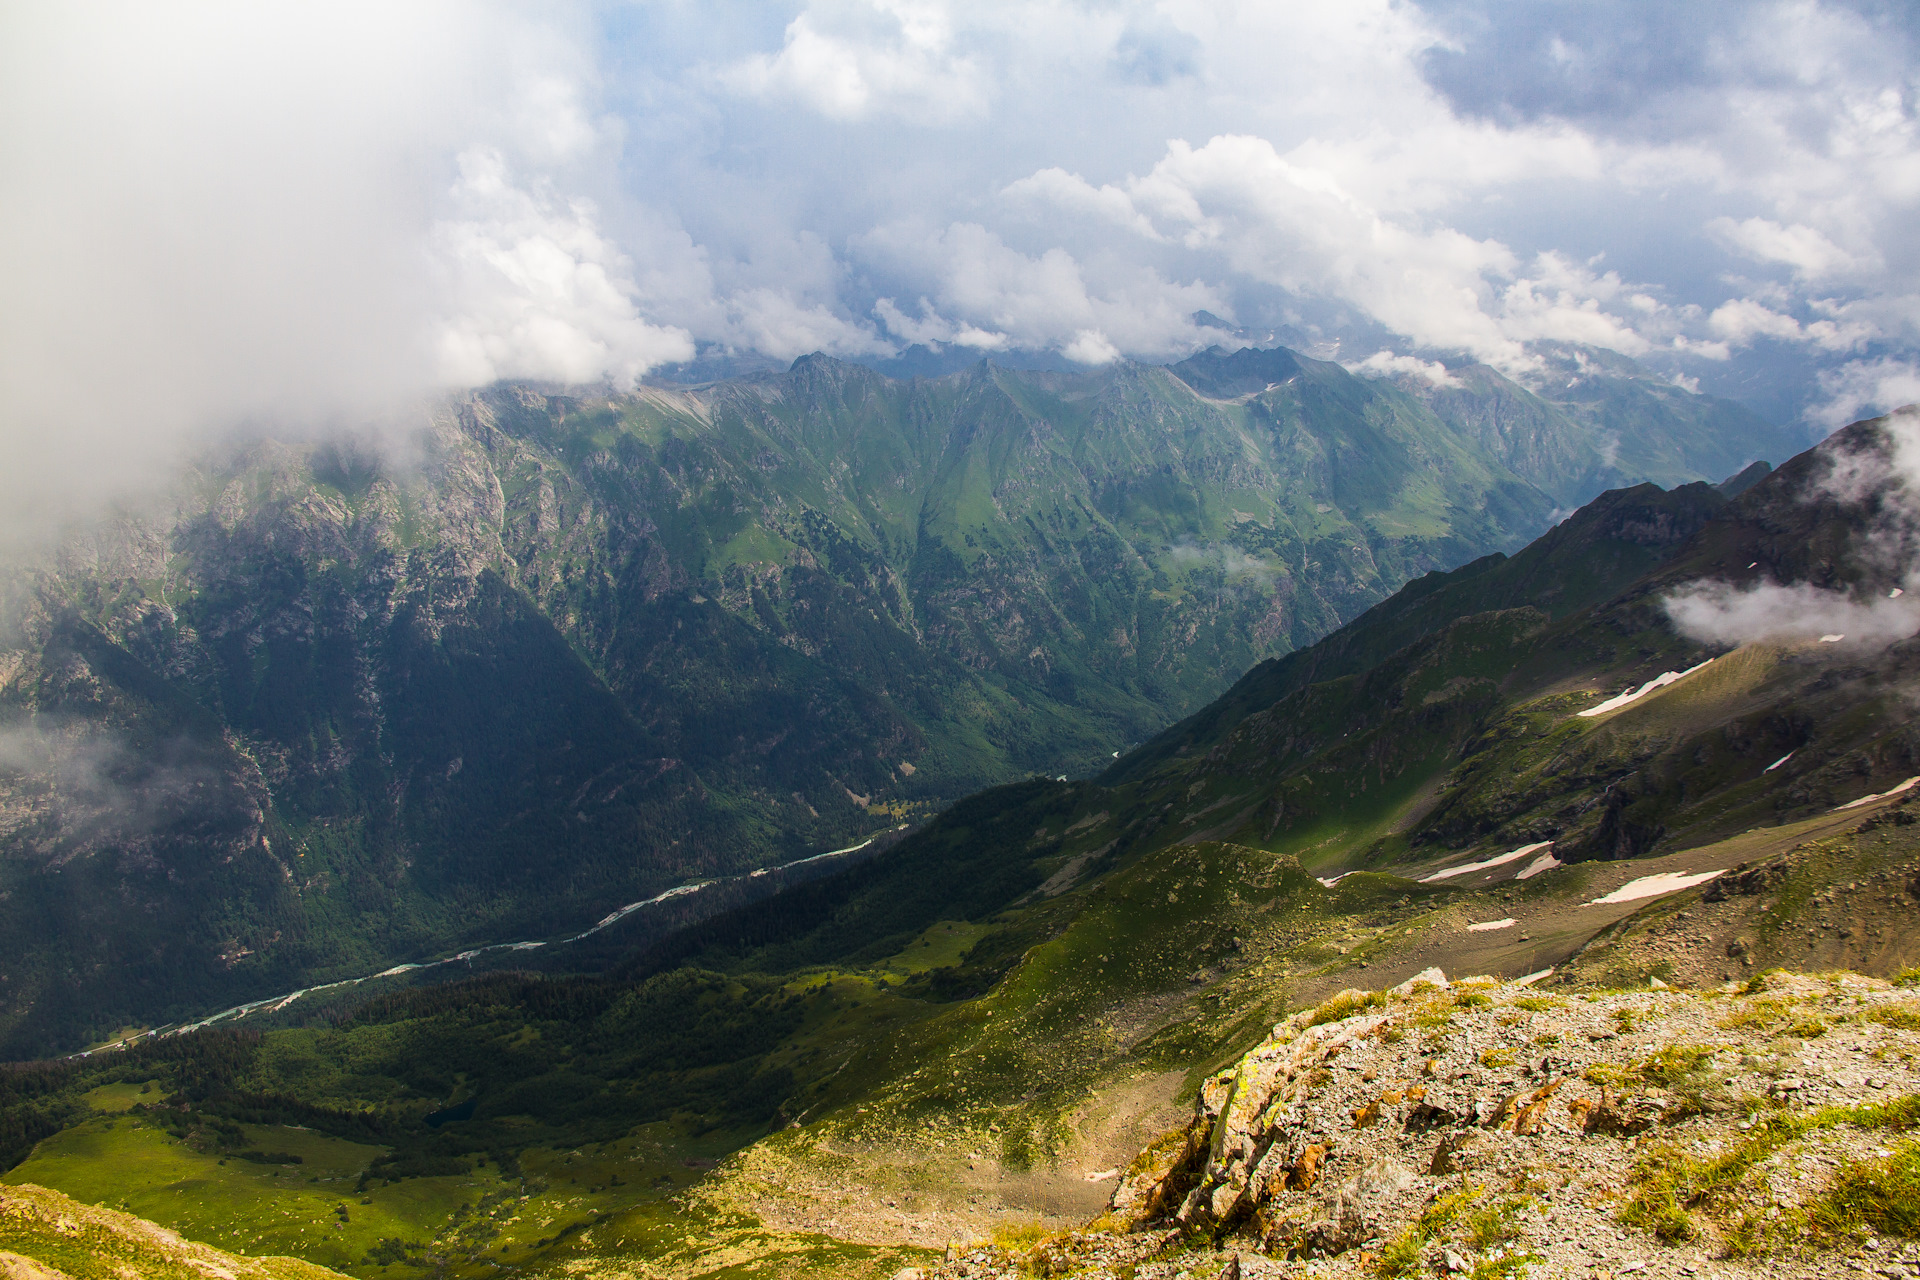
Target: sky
{"points": [[222, 215]]}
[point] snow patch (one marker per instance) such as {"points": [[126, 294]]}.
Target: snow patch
{"points": [[1655, 886], [1500, 861], [1660, 681], [1777, 763], [1878, 795], [1488, 926], [1545, 862]]}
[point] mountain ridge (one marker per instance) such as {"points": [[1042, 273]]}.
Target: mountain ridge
{"points": [[584, 647]]}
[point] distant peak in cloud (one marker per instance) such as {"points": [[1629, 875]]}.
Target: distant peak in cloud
{"points": [[222, 213]]}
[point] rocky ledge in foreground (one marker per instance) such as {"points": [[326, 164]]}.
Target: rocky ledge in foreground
{"points": [[1482, 1129]]}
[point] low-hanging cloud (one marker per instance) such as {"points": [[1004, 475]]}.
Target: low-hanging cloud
{"points": [[1383, 364], [223, 214], [71, 787], [1721, 613], [1879, 474]]}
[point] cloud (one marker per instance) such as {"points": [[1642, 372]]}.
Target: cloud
{"points": [[536, 291], [1741, 320], [776, 323], [221, 213], [1806, 250], [1090, 346], [978, 291], [1860, 388], [73, 788], [1155, 52], [933, 329], [851, 60], [1230, 560], [1719, 613], [1263, 215], [1383, 364], [1880, 480]]}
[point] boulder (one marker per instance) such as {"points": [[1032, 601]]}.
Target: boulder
{"points": [[1363, 1208]]}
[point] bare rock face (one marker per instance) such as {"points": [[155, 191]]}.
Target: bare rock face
{"points": [[1364, 1208], [1454, 1125]]}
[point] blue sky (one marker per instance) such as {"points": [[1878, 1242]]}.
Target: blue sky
{"points": [[220, 211]]}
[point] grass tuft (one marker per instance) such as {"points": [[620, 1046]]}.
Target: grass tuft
{"points": [[1405, 1253], [1671, 1186], [1878, 1196], [1019, 1235], [1346, 1005], [1894, 1015]]}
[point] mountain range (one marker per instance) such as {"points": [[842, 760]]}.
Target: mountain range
{"points": [[338, 704], [1522, 767]]}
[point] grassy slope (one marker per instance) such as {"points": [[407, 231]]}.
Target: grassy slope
{"points": [[80, 1241], [443, 705]]}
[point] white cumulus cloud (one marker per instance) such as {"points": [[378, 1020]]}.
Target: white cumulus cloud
{"points": [[536, 290], [1810, 253], [851, 60]]}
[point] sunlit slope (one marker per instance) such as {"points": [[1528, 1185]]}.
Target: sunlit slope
{"points": [[975, 1027], [1599, 551], [50, 1235]]}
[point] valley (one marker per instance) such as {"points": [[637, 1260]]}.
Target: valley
{"points": [[323, 710], [906, 640], [974, 1037]]}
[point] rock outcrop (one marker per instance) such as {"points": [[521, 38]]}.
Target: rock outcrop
{"points": [[1481, 1127]]}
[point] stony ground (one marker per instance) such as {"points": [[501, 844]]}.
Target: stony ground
{"points": [[1489, 1130]]}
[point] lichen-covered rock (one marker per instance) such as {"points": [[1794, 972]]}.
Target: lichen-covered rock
{"points": [[1394, 1119]]}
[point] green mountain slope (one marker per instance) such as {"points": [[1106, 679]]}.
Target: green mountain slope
{"points": [[329, 711], [325, 710], [967, 1029], [1589, 419]]}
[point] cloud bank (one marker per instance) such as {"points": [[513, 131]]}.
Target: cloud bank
{"points": [[223, 214], [1719, 613]]}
